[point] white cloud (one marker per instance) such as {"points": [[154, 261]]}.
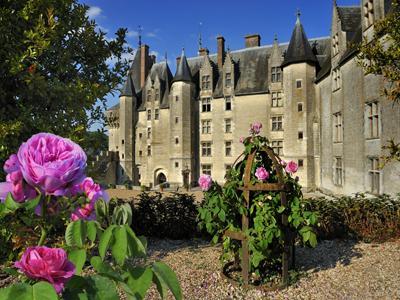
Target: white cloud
{"points": [[151, 34], [125, 56], [154, 53], [93, 12], [132, 33]]}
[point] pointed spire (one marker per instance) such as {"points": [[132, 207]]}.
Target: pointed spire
{"points": [[299, 49], [298, 14], [140, 28], [183, 70], [128, 89]]}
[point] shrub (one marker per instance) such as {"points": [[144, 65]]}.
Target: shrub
{"points": [[171, 217], [366, 218]]}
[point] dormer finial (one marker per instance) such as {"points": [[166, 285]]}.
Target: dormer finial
{"points": [[298, 13], [140, 29]]}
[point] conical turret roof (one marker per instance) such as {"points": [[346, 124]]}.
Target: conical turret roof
{"points": [[299, 49], [128, 89], [183, 70]]}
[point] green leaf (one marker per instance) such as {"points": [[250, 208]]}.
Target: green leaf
{"points": [[11, 204], [78, 258], [221, 215], [139, 281], [313, 239], [30, 205], [104, 268], [161, 286], [75, 234], [44, 291], [120, 246], [166, 275], [91, 230], [101, 208], [306, 236], [135, 245], [105, 241], [101, 288], [281, 209]]}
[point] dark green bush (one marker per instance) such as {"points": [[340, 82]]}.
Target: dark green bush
{"points": [[171, 217], [365, 218]]}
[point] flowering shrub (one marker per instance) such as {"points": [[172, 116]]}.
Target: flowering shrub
{"points": [[224, 206], [46, 186]]}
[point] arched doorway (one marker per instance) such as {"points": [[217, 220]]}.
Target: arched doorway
{"points": [[161, 178]]}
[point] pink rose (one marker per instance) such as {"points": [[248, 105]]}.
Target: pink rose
{"points": [[283, 163], [291, 167], [262, 174], [93, 190], [49, 264], [11, 164], [241, 140], [205, 182], [255, 128], [52, 163], [86, 212]]}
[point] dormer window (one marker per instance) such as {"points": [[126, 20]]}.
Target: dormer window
{"points": [[335, 44], [368, 13], [276, 75], [228, 79], [205, 82]]}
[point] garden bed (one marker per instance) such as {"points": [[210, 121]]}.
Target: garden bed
{"points": [[335, 269]]}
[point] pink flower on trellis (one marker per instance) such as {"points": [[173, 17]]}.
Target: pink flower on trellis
{"points": [[262, 174]]}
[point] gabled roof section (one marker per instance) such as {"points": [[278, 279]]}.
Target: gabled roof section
{"points": [[299, 49], [183, 70], [135, 71]]}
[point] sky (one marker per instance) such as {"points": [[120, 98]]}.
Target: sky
{"points": [[170, 25]]}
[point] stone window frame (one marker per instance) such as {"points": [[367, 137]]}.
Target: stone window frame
{"points": [[277, 123], [148, 96], [149, 115], [157, 95], [276, 74], [176, 140], [336, 79], [206, 126], [368, 12], [205, 104], [300, 163], [374, 174], [338, 171], [338, 127], [140, 153], [228, 125], [372, 116], [228, 103], [176, 119], [206, 149], [156, 114], [276, 99], [148, 132], [277, 146], [206, 82], [300, 106], [148, 150], [335, 44], [228, 148], [206, 169], [228, 79], [299, 83], [300, 135], [176, 164]]}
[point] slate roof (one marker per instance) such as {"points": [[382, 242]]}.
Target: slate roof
{"points": [[128, 89], [350, 17], [299, 49], [183, 70]]}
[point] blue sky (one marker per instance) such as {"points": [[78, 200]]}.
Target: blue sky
{"points": [[170, 25]]}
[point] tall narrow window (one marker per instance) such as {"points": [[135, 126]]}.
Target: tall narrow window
{"points": [[206, 104], [206, 126], [336, 79], [374, 175], [206, 169], [368, 12], [277, 124], [228, 103], [176, 98], [148, 95], [298, 83], [156, 114], [228, 79], [338, 128], [300, 135], [277, 146], [372, 111], [228, 148], [176, 141], [148, 132], [300, 107], [335, 44], [148, 150], [176, 120], [206, 149], [276, 99], [157, 95], [228, 125], [276, 74], [338, 171], [205, 82], [149, 115]]}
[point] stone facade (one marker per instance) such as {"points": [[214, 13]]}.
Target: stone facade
{"points": [[316, 105]]}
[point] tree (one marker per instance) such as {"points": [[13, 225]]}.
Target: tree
{"points": [[55, 70], [381, 56]]}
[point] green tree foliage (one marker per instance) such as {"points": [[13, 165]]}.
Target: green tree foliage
{"points": [[381, 56], [54, 70]]}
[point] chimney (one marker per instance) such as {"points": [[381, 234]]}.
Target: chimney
{"points": [[252, 40], [178, 60], [144, 64], [221, 51], [203, 51]]}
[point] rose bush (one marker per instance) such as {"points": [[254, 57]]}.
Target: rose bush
{"points": [[205, 182], [224, 207]]}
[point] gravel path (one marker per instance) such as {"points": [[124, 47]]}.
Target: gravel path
{"points": [[339, 269]]}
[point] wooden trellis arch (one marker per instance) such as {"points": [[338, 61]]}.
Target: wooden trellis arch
{"points": [[248, 187]]}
